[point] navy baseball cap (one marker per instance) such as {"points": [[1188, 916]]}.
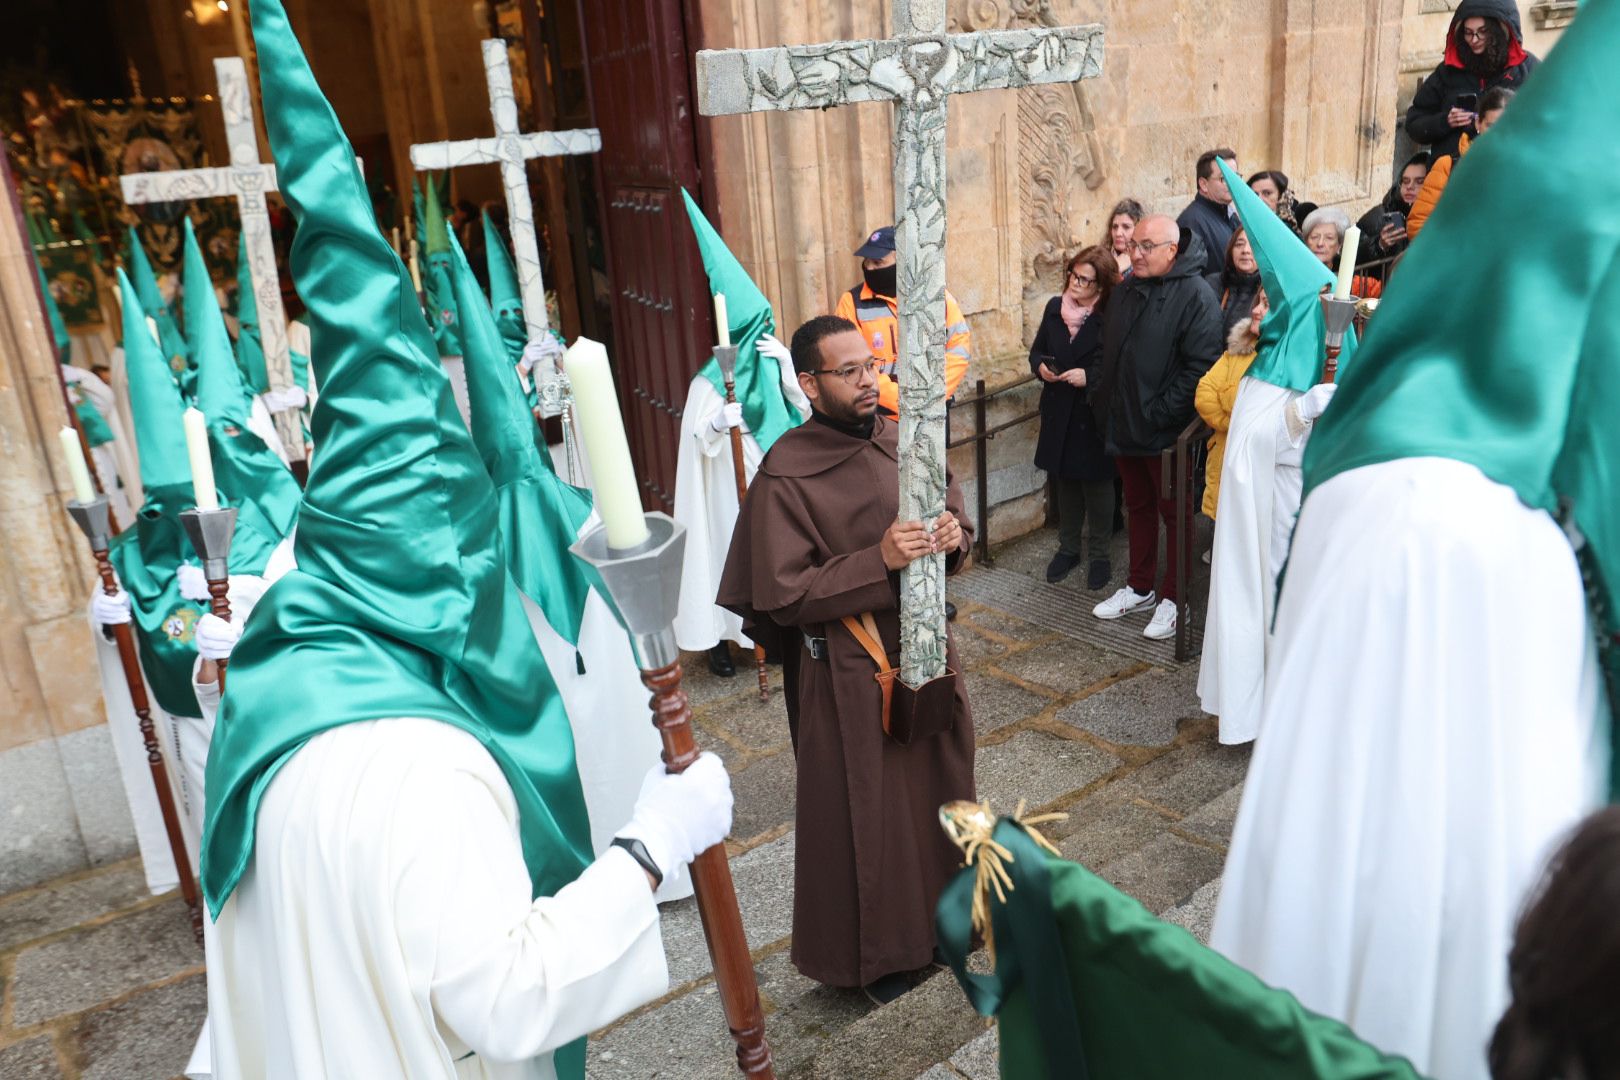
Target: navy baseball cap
{"points": [[877, 245]]}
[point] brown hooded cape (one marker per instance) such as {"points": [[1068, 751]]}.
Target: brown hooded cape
{"points": [[871, 858]]}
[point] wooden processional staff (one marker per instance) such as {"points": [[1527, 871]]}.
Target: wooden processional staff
{"points": [[725, 354]]}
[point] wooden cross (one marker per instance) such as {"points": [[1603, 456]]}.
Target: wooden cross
{"points": [[511, 149], [917, 70], [246, 180]]}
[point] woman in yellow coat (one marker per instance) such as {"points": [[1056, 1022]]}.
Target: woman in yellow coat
{"points": [[1217, 393]]}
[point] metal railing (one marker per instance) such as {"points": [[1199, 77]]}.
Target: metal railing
{"points": [[980, 441]]}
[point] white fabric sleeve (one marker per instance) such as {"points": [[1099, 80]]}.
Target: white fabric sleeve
{"points": [[514, 978], [1292, 432], [207, 693]]}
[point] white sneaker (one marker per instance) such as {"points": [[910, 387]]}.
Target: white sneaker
{"points": [[1163, 623], [1123, 603]]}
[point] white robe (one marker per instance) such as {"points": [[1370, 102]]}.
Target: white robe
{"points": [[1430, 734], [1261, 483], [384, 925], [706, 503]]}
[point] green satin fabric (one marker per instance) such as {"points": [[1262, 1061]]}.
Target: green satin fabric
{"points": [[249, 346], [758, 378], [505, 295], [438, 285], [176, 351], [1293, 336], [1089, 984], [540, 515], [96, 431], [154, 401], [401, 605], [1504, 356]]}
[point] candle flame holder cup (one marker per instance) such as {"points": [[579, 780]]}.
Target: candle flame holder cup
{"points": [[210, 532], [94, 519], [641, 585], [726, 356], [1338, 315]]}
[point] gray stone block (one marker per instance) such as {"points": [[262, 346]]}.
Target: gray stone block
{"points": [[901, 1039], [702, 686], [32, 1059], [150, 1034], [1037, 768], [1214, 820], [1189, 776], [764, 882], [97, 790], [939, 1072], [1144, 710], [1197, 913], [997, 702], [92, 966], [1167, 872], [39, 828], [1104, 827], [974, 649], [63, 905], [765, 793], [980, 1059], [757, 725], [1066, 666]]}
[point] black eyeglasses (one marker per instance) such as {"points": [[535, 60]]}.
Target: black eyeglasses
{"points": [[1084, 282]]}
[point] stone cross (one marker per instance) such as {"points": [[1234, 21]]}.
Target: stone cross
{"points": [[511, 149], [246, 180], [917, 70]]}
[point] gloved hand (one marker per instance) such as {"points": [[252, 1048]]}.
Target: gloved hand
{"points": [[1314, 402], [536, 352], [770, 346], [215, 638], [193, 585], [110, 610], [679, 816], [728, 417], [281, 400]]}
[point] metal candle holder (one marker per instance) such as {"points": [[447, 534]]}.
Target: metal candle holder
{"points": [[726, 357], [95, 521], [642, 586], [210, 532], [1338, 314]]}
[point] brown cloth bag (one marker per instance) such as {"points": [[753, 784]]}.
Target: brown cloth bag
{"points": [[908, 713]]}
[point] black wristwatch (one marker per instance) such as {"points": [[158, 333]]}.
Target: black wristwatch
{"points": [[638, 851]]}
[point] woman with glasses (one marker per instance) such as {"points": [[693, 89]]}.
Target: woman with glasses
{"points": [[1065, 354], [1237, 282], [1484, 50]]}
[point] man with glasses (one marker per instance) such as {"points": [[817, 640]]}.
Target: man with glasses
{"points": [[1163, 331], [1210, 215], [818, 542]]}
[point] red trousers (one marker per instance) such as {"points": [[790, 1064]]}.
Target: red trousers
{"points": [[1144, 507]]}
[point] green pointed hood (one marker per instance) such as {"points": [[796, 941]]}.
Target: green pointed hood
{"points": [[1293, 336], [176, 351], [154, 402], [82, 230], [249, 346], [759, 380], [401, 604], [438, 288], [247, 472], [1504, 356], [505, 295], [53, 314], [419, 215], [540, 514]]}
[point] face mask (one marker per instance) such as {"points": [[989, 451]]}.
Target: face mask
{"points": [[883, 282]]}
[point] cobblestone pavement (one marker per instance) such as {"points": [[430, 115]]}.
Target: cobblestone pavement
{"points": [[100, 980]]}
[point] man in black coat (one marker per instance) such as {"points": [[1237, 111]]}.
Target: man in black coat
{"points": [[1163, 332], [1484, 49], [1210, 216]]}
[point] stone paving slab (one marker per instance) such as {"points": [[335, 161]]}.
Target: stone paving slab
{"points": [[979, 1059], [899, 1040], [1104, 827], [149, 1035], [1165, 872], [93, 966], [1189, 776], [764, 794], [974, 648], [1214, 820], [36, 913], [1037, 768], [34, 789], [757, 725], [1065, 666], [32, 1059], [1145, 710], [764, 881], [997, 702], [1198, 912]]}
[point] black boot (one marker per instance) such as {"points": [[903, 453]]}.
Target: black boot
{"points": [[1059, 567], [950, 611], [1098, 573], [720, 661]]}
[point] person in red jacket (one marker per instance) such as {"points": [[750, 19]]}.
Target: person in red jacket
{"points": [[1484, 50]]}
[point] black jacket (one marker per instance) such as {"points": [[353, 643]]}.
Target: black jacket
{"points": [[1426, 119], [1235, 292], [1069, 445], [1214, 225], [1160, 336]]}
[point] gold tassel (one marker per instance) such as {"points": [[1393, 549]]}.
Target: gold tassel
{"points": [[971, 827]]}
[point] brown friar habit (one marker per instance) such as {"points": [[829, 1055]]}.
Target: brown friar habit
{"points": [[871, 858]]}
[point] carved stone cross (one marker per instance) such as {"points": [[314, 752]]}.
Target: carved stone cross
{"points": [[917, 70], [246, 180], [511, 149]]}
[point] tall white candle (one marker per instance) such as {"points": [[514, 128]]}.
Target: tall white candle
{"points": [[601, 428], [83, 491], [1347, 262], [721, 323], [202, 466]]}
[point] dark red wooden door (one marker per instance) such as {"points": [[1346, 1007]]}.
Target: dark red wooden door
{"points": [[638, 71]]}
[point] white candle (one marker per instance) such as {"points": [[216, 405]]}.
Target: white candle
{"points": [[722, 326], [83, 492], [1347, 262], [601, 428], [416, 271], [202, 466]]}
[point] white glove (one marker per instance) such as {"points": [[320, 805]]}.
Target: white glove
{"points": [[193, 585], [110, 610], [215, 638], [770, 346], [281, 400], [536, 352], [680, 816], [1314, 402], [729, 416]]}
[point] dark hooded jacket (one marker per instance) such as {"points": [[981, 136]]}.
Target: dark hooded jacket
{"points": [[1214, 224], [1160, 336], [1372, 222], [1426, 119]]}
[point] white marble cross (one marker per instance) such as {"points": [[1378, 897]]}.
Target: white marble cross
{"points": [[511, 149], [246, 180], [917, 70]]}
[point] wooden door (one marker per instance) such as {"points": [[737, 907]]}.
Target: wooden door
{"points": [[638, 70]]}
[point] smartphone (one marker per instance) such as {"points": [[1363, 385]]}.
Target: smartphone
{"points": [[1469, 102], [1394, 217]]}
